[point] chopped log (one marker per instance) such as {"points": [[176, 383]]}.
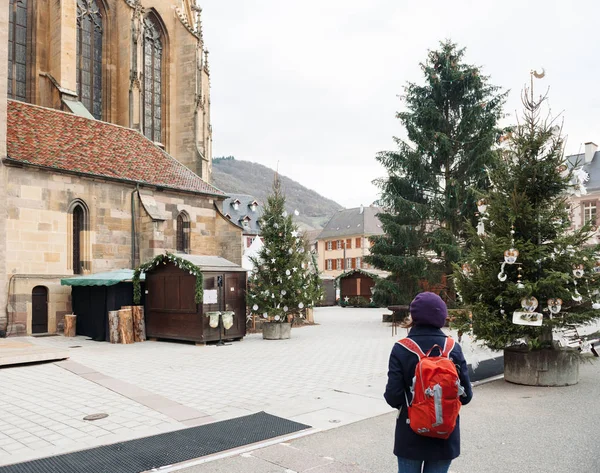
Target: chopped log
{"points": [[113, 326], [126, 326], [70, 325], [139, 324]]}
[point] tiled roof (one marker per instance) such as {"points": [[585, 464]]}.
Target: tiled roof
{"points": [[349, 222], [592, 168], [66, 142], [244, 210]]}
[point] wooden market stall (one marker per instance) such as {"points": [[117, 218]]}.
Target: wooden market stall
{"points": [[184, 291], [95, 295], [358, 284]]}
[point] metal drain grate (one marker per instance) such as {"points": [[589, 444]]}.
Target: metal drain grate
{"points": [[143, 454]]}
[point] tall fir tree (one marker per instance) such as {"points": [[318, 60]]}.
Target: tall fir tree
{"points": [[284, 282], [530, 267], [434, 177]]}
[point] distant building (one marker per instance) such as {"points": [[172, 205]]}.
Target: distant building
{"points": [[584, 208], [244, 211], [344, 242]]}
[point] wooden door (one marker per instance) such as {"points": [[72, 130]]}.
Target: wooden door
{"points": [[39, 310], [235, 300]]}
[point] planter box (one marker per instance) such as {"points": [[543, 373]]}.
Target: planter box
{"points": [[542, 367], [276, 330]]}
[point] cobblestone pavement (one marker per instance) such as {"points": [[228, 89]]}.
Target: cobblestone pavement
{"points": [[326, 375]]}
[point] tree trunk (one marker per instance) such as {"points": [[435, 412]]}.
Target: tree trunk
{"points": [[70, 325], [113, 326], [126, 326], [139, 324]]}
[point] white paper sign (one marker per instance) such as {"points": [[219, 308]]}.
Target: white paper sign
{"points": [[528, 318], [210, 296]]}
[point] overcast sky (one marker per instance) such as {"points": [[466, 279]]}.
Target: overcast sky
{"points": [[314, 84]]}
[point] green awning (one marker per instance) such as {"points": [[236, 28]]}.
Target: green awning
{"points": [[109, 278]]}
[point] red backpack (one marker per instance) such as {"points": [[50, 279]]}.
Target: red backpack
{"points": [[436, 390]]}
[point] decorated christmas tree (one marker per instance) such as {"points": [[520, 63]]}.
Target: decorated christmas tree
{"points": [[529, 275], [283, 282], [435, 175]]}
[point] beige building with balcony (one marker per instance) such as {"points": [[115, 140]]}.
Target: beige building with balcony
{"points": [[344, 242]]}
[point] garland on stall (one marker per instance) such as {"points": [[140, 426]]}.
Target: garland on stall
{"points": [[164, 259]]}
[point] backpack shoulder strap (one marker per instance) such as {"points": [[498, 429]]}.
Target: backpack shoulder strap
{"points": [[412, 346], [448, 347]]}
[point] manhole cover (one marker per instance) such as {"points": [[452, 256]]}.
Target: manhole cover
{"points": [[76, 346], [95, 417], [335, 421]]}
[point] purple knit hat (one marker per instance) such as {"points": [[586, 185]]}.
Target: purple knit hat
{"points": [[428, 309]]}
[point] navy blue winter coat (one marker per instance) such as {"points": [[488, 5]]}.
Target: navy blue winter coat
{"points": [[408, 444]]}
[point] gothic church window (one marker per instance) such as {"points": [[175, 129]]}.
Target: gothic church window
{"points": [[17, 50], [79, 259], [183, 233], [89, 56], [153, 61], [78, 226]]}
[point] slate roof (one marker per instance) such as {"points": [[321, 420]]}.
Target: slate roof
{"points": [[348, 222], [592, 168], [61, 141], [243, 211]]}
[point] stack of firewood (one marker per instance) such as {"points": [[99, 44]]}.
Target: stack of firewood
{"points": [[127, 325]]}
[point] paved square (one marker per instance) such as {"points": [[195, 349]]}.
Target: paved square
{"points": [[326, 375]]}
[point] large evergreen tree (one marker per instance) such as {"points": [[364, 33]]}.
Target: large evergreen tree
{"points": [[530, 266], [283, 282], [435, 175]]}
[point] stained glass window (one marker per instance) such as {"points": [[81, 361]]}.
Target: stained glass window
{"points": [[17, 50], [153, 50], [89, 56]]}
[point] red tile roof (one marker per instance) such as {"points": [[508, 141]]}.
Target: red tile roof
{"points": [[66, 142]]}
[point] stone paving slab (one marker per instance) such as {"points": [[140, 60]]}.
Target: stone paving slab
{"points": [[16, 351], [291, 457]]}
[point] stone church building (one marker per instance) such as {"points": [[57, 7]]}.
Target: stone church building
{"points": [[105, 147]]}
